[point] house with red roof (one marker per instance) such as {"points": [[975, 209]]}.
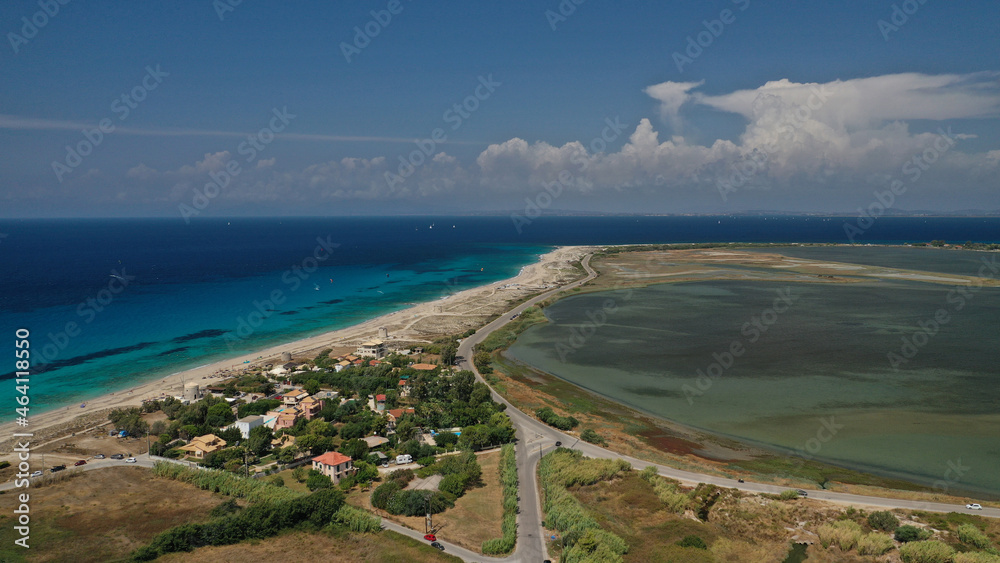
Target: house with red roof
{"points": [[334, 465], [393, 416]]}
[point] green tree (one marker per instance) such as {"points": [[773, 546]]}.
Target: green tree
{"points": [[446, 439], [317, 481], [311, 386], [259, 442], [220, 415], [356, 449]]}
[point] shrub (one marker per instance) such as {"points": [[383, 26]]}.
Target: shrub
{"points": [[788, 495], [928, 551], [883, 520], [589, 435], [227, 507], [317, 481], [357, 520], [910, 533], [425, 461], [666, 490], [874, 543], [508, 525], [402, 476], [229, 484], [453, 484], [844, 533], [973, 536], [692, 541], [548, 416], [277, 481]]}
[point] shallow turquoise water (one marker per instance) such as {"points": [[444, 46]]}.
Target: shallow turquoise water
{"points": [[826, 355]]}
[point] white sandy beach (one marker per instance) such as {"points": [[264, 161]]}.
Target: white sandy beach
{"points": [[449, 315]]}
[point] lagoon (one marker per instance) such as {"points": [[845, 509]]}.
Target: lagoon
{"points": [[821, 364]]}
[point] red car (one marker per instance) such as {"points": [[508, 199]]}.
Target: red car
{"points": [[81, 462], [430, 537]]}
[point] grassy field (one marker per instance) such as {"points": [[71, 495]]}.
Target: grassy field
{"points": [[475, 517], [293, 547], [102, 515]]}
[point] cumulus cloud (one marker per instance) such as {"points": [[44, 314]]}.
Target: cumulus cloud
{"points": [[672, 95], [836, 140]]}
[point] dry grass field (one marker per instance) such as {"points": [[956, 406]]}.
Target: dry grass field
{"points": [[296, 547], [102, 515], [475, 517]]}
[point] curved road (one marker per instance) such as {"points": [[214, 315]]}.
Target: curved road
{"points": [[535, 437]]}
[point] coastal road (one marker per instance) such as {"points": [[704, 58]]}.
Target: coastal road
{"points": [[536, 438]]}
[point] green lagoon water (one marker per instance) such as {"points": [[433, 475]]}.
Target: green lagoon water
{"points": [[825, 356]]}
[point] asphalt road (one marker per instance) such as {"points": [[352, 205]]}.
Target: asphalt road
{"points": [[535, 438]]}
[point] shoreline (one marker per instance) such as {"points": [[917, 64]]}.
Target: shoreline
{"points": [[400, 324]]}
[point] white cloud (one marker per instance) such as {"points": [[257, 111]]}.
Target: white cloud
{"points": [[672, 95], [838, 140]]}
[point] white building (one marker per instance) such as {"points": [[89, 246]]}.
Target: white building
{"points": [[372, 349], [248, 423]]}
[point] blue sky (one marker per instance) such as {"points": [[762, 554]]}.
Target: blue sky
{"points": [[720, 134]]}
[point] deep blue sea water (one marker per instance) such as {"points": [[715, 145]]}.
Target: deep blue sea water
{"points": [[195, 283]]}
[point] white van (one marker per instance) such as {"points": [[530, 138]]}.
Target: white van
{"points": [[405, 458]]}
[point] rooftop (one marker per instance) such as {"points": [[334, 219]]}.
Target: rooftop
{"points": [[332, 458]]}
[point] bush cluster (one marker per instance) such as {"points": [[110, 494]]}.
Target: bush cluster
{"points": [[927, 551], [583, 538], [883, 520], [666, 490], [548, 416], [844, 533], [226, 483], [589, 435], [256, 522]]}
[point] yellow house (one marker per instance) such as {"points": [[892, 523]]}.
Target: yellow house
{"points": [[203, 445]]}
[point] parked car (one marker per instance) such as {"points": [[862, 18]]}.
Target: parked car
{"points": [[81, 462], [99, 456], [974, 506], [130, 460], [437, 545], [36, 473], [57, 468], [558, 444], [117, 456], [430, 537]]}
